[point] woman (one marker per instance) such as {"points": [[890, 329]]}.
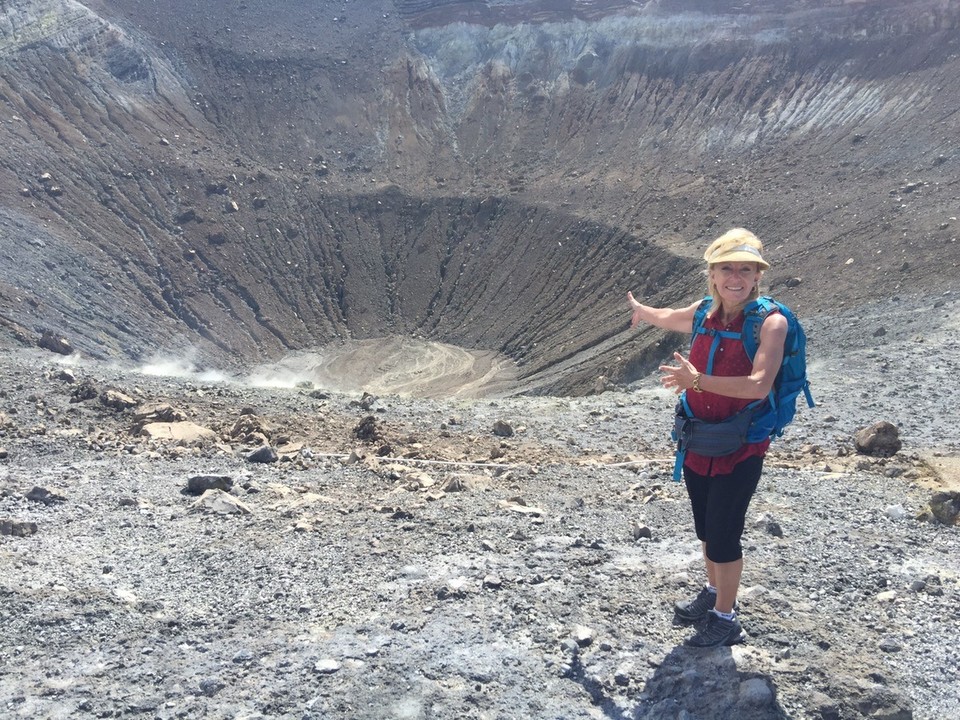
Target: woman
{"points": [[720, 488]]}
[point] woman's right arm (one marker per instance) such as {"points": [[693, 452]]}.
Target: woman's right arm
{"points": [[678, 320]]}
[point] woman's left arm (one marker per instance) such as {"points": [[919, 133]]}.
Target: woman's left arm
{"points": [[756, 385]]}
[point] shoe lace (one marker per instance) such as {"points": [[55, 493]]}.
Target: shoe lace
{"points": [[716, 628], [703, 602]]}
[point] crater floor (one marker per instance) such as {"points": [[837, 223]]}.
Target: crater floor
{"points": [[394, 366]]}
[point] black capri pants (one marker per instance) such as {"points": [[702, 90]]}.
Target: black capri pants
{"points": [[719, 506]]}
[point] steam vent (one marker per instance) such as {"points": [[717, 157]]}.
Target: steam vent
{"points": [[462, 189]]}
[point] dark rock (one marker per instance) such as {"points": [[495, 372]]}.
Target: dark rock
{"points": [[454, 484], [55, 343], [773, 528], [882, 439], [84, 391], [890, 645], [242, 657], [199, 484], [502, 429], [365, 402], [945, 506], [886, 704], [263, 454], [43, 495], [17, 528], [367, 429], [158, 413], [211, 686], [251, 427], [67, 375], [126, 64], [584, 636]]}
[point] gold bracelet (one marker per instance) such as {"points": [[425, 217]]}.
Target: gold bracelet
{"points": [[696, 383]]}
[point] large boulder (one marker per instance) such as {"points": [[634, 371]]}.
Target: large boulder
{"points": [[882, 439], [55, 343], [186, 432], [117, 400], [945, 506], [158, 413]]}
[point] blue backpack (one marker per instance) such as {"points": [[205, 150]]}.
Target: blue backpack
{"points": [[761, 419]]}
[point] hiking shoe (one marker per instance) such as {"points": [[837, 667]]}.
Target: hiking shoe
{"points": [[716, 632], [692, 611]]}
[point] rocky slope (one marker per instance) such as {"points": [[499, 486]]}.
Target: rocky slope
{"points": [[299, 553]]}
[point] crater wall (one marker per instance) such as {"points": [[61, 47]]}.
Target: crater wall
{"points": [[242, 181]]}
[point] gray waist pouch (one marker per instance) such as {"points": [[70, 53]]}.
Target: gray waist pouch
{"points": [[711, 439]]}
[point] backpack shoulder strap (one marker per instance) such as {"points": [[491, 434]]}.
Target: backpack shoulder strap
{"points": [[700, 315], [754, 314], [699, 318]]}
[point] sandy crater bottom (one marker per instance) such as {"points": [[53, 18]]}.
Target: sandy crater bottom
{"points": [[399, 366]]}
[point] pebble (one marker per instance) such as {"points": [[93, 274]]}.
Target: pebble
{"points": [[327, 666]]}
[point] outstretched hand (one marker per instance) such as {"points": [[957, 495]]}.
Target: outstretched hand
{"points": [[678, 377], [636, 307]]}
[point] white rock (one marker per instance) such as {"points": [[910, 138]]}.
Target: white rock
{"points": [[327, 666], [756, 692], [185, 432], [896, 512], [220, 502]]}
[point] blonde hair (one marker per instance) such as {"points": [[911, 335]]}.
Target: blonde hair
{"points": [[726, 244]]}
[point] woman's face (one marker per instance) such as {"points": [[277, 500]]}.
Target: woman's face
{"points": [[735, 281]]}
